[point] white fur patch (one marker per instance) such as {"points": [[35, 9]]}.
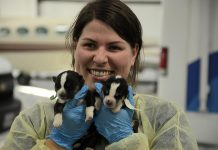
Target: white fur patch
{"points": [[113, 88], [97, 103], [118, 106], [118, 76], [57, 120], [89, 113], [61, 101], [62, 82], [89, 148], [110, 98], [63, 79], [129, 105]]}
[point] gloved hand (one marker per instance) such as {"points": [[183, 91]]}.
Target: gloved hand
{"points": [[115, 126], [74, 125]]}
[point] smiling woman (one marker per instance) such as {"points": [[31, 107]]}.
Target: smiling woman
{"points": [[105, 40]]}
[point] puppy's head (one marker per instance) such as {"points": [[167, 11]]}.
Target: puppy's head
{"points": [[115, 90], [67, 84]]}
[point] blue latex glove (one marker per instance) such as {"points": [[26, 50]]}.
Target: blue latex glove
{"points": [[115, 126], [74, 125]]}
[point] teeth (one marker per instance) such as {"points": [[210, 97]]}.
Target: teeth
{"points": [[100, 73]]}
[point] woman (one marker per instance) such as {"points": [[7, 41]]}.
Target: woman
{"points": [[105, 40]]}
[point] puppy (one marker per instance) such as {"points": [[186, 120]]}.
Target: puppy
{"points": [[115, 91], [67, 84]]}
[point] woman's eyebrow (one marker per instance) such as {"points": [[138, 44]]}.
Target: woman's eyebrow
{"points": [[116, 42], [88, 39], [110, 43]]}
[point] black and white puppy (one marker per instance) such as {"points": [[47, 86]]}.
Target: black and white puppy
{"points": [[115, 91], [67, 84]]}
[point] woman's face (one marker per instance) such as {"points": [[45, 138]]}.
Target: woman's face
{"points": [[101, 52]]}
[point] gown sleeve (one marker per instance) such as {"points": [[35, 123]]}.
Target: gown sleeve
{"points": [[162, 126], [165, 124], [30, 127]]}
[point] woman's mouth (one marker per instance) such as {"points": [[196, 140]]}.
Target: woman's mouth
{"points": [[100, 73]]}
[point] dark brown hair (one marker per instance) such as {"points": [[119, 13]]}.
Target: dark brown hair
{"points": [[118, 16]]}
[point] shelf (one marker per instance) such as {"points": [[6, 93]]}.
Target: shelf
{"points": [[11, 47]]}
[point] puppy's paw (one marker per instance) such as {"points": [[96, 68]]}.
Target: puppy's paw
{"points": [[97, 103], [89, 148], [89, 113], [80, 102], [115, 110], [88, 118], [118, 107], [57, 120], [76, 145]]}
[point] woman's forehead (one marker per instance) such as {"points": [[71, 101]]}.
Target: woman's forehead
{"points": [[97, 30]]}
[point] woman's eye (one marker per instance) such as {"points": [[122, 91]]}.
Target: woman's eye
{"points": [[114, 48], [68, 85], [90, 45], [105, 91]]}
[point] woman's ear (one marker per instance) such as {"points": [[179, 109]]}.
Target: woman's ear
{"points": [[104, 87], [135, 51], [74, 45]]}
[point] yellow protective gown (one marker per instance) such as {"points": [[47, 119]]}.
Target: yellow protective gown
{"points": [[163, 126]]}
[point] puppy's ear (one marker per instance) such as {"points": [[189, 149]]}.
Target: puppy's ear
{"points": [[104, 87], [54, 78], [80, 78]]}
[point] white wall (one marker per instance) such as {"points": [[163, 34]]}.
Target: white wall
{"points": [[150, 16], [214, 25], [18, 8], [187, 33], [175, 34]]}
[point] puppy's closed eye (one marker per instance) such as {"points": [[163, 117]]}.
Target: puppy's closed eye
{"points": [[118, 95]]}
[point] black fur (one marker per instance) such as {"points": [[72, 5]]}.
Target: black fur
{"points": [[89, 140]]}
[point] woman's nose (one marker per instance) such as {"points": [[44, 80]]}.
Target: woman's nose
{"points": [[100, 56]]}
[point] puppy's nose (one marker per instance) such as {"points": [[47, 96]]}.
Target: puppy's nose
{"points": [[63, 95], [108, 102]]}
